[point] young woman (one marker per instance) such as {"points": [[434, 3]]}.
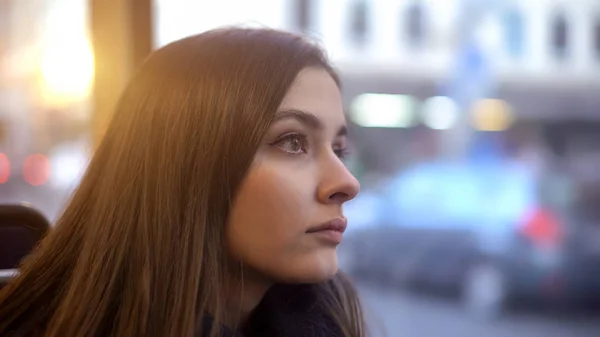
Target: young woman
{"points": [[213, 205]]}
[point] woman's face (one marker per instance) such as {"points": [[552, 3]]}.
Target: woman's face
{"points": [[287, 218]]}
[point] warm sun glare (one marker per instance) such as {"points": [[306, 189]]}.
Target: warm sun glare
{"points": [[67, 71]]}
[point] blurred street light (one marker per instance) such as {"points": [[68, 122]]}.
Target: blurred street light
{"points": [[440, 113], [383, 111], [491, 115]]}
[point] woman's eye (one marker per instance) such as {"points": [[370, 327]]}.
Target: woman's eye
{"points": [[294, 144], [341, 153]]}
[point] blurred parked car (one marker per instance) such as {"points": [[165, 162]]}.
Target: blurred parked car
{"points": [[489, 232]]}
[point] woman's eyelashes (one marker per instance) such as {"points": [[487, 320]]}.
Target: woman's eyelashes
{"points": [[297, 143], [341, 153]]}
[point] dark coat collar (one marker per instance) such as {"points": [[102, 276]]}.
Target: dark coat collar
{"points": [[286, 311], [207, 323]]}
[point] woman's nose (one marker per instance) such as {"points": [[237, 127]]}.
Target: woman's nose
{"points": [[337, 185]]}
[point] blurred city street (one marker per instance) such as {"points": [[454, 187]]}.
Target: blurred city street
{"points": [[394, 313], [474, 134]]}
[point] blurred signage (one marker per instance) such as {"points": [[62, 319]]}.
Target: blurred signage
{"points": [[471, 78]]}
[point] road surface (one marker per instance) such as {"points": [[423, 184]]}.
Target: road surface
{"points": [[396, 314]]}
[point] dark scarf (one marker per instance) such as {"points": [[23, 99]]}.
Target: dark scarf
{"points": [[286, 311]]}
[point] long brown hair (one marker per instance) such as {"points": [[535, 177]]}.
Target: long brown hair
{"points": [[139, 250]]}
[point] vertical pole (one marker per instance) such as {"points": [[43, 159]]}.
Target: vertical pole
{"points": [[471, 78], [121, 38]]}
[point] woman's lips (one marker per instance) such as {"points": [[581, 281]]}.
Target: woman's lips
{"points": [[329, 235], [331, 231]]}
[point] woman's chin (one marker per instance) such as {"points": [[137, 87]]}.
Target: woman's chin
{"points": [[318, 271]]}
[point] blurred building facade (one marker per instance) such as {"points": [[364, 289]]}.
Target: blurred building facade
{"points": [[544, 55], [534, 62]]}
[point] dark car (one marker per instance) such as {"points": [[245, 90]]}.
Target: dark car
{"points": [[492, 233]]}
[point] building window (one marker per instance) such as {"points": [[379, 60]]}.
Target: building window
{"points": [[514, 32], [303, 19], [596, 37], [560, 36], [415, 20], [358, 21]]}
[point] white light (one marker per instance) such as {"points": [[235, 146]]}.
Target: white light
{"points": [[440, 113], [383, 111], [68, 164]]}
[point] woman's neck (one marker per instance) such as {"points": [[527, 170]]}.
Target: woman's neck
{"points": [[246, 294]]}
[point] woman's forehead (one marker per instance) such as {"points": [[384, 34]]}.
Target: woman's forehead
{"points": [[316, 92]]}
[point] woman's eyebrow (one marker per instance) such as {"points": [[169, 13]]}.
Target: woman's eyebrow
{"points": [[308, 119]]}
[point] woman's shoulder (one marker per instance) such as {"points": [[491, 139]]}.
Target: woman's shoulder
{"points": [[290, 311]]}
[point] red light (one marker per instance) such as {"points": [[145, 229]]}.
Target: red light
{"points": [[4, 168], [542, 227], [36, 169]]}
